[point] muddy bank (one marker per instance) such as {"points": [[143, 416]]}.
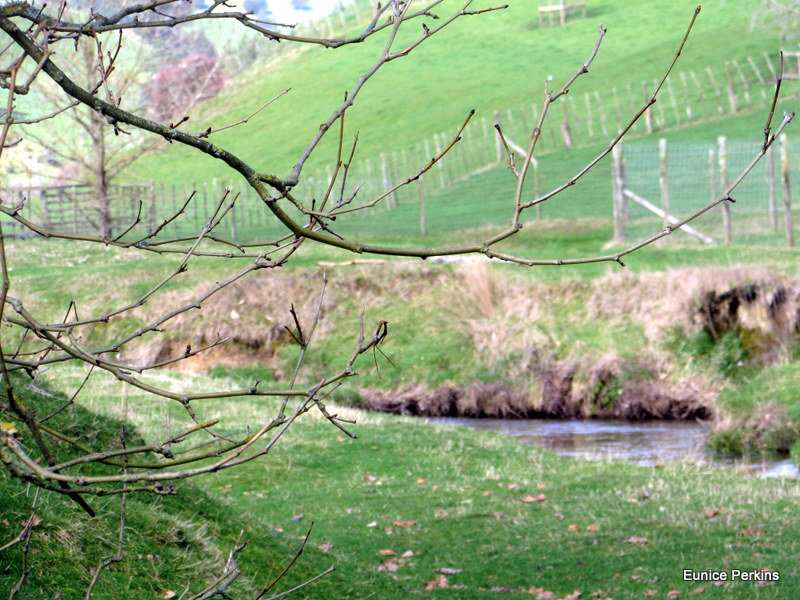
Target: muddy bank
{"points": [[559, 390]]}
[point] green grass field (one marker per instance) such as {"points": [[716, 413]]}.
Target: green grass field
{"points": [[409, 507], [431, 91]]}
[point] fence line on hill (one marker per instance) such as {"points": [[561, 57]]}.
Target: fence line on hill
{"points": [[649, 184]]}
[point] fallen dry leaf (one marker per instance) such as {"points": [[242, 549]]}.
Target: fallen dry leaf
{"points": [[421, 480], [710, 512], [390, 565], [636, 540], [386, 553], [573, 596], [169, 594], [541, 593], [513, 486], [449, 571], [538, 498], [405, 523], [372, 524], [592, 527], [486, 493], [650, 593], [325, 547], [340, 438], [438, 583], [698, 590], [541, 486], [673, 594], [407, 554], [752, 531], [503, 590], [572, 527]]}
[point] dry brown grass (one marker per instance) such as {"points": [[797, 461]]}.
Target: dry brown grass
{"points": [[254, 312], [675, 298]]}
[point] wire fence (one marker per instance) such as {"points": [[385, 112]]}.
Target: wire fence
{"points": [[469, 189], [679, 179]]}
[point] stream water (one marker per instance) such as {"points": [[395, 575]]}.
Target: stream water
{"points": [[645, 443]]}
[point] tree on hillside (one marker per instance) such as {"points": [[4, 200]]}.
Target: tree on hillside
{"points": [[99, 154], [33, 449]]}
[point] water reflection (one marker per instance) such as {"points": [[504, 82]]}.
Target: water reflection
{"points": [[644, 443]]}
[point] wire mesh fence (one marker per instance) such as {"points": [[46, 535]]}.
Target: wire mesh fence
{"points": [[469, 189]]}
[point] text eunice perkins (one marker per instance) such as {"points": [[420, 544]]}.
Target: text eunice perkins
{"points": [[732, 575]]}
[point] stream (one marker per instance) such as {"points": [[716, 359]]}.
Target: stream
{"points": [[643, 443]]}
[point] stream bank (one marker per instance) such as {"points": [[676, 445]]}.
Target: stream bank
{"points": [[475, 340]]}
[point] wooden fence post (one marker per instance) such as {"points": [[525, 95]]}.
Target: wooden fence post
{"points": [[686, 99], [421, 198], [648, 114], [603, 118], [509, 128], [712, 174], [566, 136], [756, 70], [722, 143], [428, 154], [773, 212], [617, 110], [732, 100], [153, 206], [537, 187], [498, 145], [674, 102], [387, 183], [487, 142], [705, 105], [661, 118], [589, 116], [663, 178], [787, 197], [340, 13], [232, 214], [618, 191], [745, 85], [715, 87], [214, 196], [772, 71], [208, 202]]}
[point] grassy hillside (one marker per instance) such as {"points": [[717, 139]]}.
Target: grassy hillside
{"points": [[490, 62], [408, 507]]}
